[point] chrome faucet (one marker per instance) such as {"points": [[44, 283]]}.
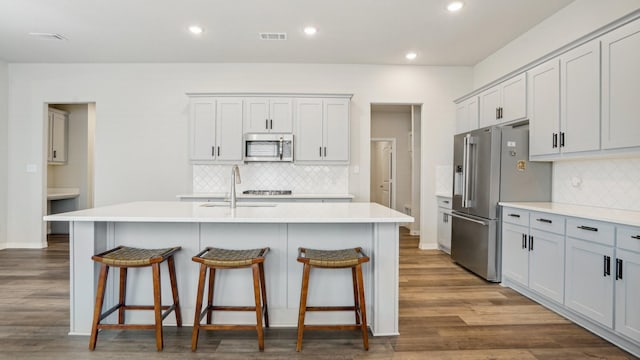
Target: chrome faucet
{"points": [[235, 179]]}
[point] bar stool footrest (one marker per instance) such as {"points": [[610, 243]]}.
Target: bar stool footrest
{"points": [[334, 327]]}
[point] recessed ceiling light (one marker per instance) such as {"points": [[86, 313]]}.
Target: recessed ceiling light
{"points": [[196, 30], [455, 6], [411, 55], [310, 30]]}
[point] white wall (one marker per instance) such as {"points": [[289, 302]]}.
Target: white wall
{"points": [[4, 81], [141, 149], [570, 23], [396, 125]]}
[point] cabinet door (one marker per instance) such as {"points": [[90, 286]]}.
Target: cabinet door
{"points": [[336, 130], [544, 108], [546, 264], [203, 128], [489, 103], [589, 289], [308, 133], [620, 87], [281, 115], [514, 98], [444, 230], [627, 294], [58, 137], [256, 115], [467, 115], [229, 129], [515, 253], [580, 99]]}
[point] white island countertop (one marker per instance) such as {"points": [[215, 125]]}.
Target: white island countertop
{"points": [[624, 217], [209, 212], [293, 196]]}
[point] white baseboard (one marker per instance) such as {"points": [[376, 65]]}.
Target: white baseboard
{"points": [[429, 246]]}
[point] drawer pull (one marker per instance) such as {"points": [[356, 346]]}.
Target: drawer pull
{"points": [[587, 228], [545, 221], [618, 269], [446, 201], [635, 237], [514, 215]]}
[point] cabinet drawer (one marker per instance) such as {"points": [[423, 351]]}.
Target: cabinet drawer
{"points": [[515, 216], [591, 230], [444, 202], [628, 238], [547, 222]]}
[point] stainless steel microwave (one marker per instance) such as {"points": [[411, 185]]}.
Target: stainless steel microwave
{"points": [[268, 147]]}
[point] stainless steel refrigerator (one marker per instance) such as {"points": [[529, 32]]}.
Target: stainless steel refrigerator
{"points": [[491, 165]]}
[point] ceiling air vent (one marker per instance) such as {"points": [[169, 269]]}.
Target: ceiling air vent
{"points": [[47, 36], [273, 36]]}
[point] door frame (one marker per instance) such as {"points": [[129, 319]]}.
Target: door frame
{"points": [[393, 167]]}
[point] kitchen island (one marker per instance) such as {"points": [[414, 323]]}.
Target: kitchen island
{"points": [[283, 227]]}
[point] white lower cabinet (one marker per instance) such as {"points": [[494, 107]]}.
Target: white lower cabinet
{"points": [[627, 274], [590, 268], [444, 224], [533, 258]]}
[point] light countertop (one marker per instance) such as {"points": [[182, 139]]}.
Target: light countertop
{"points": [[56, 193], [253, 196], [211, 212], [444, 194], [624, 217]]}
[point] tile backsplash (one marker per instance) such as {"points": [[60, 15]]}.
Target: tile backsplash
{"points": [[444, 179], [301, 179], [610, 183]]}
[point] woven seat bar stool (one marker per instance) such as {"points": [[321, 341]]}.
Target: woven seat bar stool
{"points": [[216, 258], [334, 259], [123, 258]]}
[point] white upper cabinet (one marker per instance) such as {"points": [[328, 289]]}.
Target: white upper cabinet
{"points": [[621, 87], [504, 102], [322, 130], [544, 108], [564, 103], [467, 114], [580, 99], [216, 129], [58, 121], [229, 129], [263, 115]]}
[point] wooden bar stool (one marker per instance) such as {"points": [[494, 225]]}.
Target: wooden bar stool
{"points": [[215, 258], [334, 259], [124, 258]]}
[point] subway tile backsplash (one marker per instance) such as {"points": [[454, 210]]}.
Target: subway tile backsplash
{"points": [[609, 183], [301, 179]]}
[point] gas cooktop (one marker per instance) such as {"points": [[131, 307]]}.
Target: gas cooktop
{"points": [[267, 192]]}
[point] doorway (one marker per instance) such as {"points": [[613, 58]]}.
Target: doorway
{"points": [[68, 172], [395, 159]]}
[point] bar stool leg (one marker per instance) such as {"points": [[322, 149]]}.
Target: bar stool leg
{"points": [[303, 304], [174, 290], [256, 292], [196, 318], [363, 308], [212, 278], [263, 286], [356, 302], [97, 310], [123, 294], [157, 305]]}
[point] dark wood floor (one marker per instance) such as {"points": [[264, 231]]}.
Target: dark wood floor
{"points": [[445, 313]]}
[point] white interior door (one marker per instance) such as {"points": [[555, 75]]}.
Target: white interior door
{"points": [[382, 172]]}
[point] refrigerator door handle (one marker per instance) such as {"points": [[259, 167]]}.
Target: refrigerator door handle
{"points": [[469, 219], [466, 168]]}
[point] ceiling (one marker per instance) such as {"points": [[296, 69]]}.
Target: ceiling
{"points": [[349, 31]]}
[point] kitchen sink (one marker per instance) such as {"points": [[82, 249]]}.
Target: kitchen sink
{"points": [[237, 205]]}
